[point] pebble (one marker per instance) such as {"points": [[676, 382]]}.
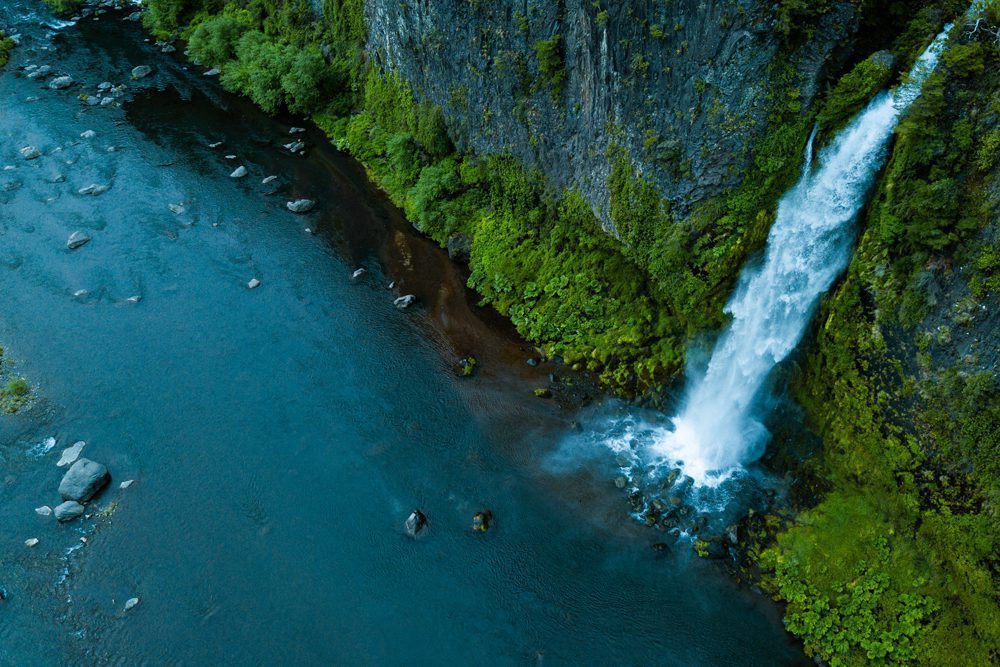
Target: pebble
{"points": [[30, 153], [253, 284], [31, 541], [239, 172], [77, 239], [44, 510], [94, 189], [131, 603], [269, 179], [88, 134], [127, 483], [176, 208]]}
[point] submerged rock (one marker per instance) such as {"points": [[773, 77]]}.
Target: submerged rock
{"points": [[68, 511], [296, 130], [358, 273], [253, 284], [77, 239], [61, 82], [239, 172], [30, 542], [88, 134], [176, 208], [269, 179], [141, 71], [301, 205], [404, 301], [71, 454], [415, 523], [94, 189], [30, 153], [481, 521], [44, 510], [83, 480]]}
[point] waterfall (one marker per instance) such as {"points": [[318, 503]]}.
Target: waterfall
{"points": [[717, 429]]}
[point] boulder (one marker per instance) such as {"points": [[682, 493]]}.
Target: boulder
{"points": [[94, 189], [71, 454], [77, 239], [404, 301], [105, 85], [68, 511], [239, 172], [459, 248], [61, 82], [415, 523], [41, 72], [30, 542], [30, 153], [141, 71], [83, 480], [301, 205], [295, 146]]}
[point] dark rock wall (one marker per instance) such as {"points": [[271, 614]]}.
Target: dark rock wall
{"points": [[684, 85]]}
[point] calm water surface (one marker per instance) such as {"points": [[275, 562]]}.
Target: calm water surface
{"points": [[280, 436]]}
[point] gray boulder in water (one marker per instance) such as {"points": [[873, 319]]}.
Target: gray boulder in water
{"points": [[301, 205], [83, 480], [68, 511], [404, 301], [61, 82], [415, 523], [141, 71], [77, 239], [30, 153]]}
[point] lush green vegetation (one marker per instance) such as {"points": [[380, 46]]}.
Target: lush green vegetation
{"points": [[897, 564], [6, 46], [64, 6], [14, 390]]}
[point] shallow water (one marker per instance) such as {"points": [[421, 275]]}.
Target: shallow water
{"points": [[279, 436]]}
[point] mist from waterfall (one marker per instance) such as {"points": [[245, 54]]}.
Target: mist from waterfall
{"points": [[718, 427]]}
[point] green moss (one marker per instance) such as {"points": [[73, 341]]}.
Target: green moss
{"points": [[852, 92], [552, 64], [6, 46]]}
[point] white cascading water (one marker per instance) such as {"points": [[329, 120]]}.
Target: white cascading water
{"points": [[716, 431]]}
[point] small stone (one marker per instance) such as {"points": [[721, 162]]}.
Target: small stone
{"points": [[106, 101], [127, 483], [230, 157], [30, 153], [71, 454], [212, 72], [104, 85], [239, 172], [269, 179], [253, 284], [215, 144], [135, 298], [415, 523], [532, 361], [88, 134], [80, 293], [141, 71], [44, 510], [176, 208], [358, 273], [131, 603], [404, 301], [31, 541], [61, 82], [68, 511], [301, 205], [77, 239], [94, 189], [168, 48], [296, 130]]}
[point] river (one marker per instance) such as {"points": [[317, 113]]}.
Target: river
{"points": [[280, 436]]}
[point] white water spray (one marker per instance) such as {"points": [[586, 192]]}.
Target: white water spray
{"points": [[809, 245]]}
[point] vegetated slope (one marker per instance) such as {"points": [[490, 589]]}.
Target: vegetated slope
{"points": [[898, 562]]}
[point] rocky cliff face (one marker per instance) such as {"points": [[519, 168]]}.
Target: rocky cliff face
{"points": [[685, 86]]}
